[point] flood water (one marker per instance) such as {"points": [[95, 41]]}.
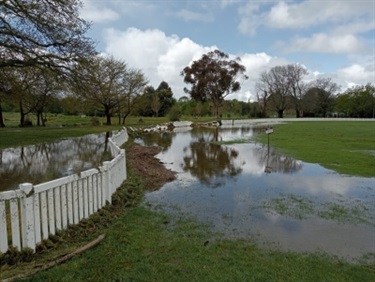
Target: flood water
{"points": [[43, 162], [246, 190]]}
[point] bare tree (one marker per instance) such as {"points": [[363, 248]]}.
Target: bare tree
{"points": [[275, 85], [42, 33], [100, 81], [298, 87], [262, 97], [134, 85]]}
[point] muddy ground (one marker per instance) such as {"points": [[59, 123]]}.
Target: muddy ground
{"points": [[142, 159]]}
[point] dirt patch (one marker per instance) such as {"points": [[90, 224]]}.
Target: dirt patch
{"points": [[142, 160]]}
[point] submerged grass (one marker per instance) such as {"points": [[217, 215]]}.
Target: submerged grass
{"points": [[291, 205], [300, 208], [344, 146]]}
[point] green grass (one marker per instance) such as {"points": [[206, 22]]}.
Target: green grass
{"points": [[346, 147]]}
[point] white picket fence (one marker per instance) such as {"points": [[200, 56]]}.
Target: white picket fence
{"points": [[37, 211]]}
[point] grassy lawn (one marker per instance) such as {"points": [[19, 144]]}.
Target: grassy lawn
{"points": [[346, 147]]}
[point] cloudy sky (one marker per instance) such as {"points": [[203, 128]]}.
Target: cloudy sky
{"points": [[330, 38]]}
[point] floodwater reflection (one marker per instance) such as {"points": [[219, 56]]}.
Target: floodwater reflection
{"points": [[299, 206], [44, 162]]}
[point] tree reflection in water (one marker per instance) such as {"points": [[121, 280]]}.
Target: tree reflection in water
{"points": [[209, 162], [162, 139], [44, 162]]}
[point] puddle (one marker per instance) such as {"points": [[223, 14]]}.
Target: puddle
{"points": [[248, 191], [44, 162]]}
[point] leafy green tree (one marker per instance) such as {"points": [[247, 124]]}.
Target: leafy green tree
{"points": [[325, 89], [358, 101], [166, 99], [213, 77], [155, 104], [143, 102]]}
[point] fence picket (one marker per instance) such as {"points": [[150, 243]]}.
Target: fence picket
{"points": [[57, 208], [3, 228], [44, 214], [37, 218], [51, 212], [69, 195], [64, 215], [15, 224]]}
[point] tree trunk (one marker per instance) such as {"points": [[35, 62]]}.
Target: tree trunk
{"points": [[218, 115], [2, 124], [44, 119], [280, 113], [124, 118], [298, 113], [108, 116], [22, 115], [38, 119]]}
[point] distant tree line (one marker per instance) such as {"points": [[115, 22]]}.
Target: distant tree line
{"points": [[284, 88]]}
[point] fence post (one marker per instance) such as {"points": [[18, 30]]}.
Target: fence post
{"points": [[27, 216]]}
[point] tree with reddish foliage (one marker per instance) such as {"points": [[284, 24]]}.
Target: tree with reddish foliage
{"points": [[213, 77]]}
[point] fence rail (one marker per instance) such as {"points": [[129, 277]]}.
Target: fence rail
{"points": [[32, 213]]}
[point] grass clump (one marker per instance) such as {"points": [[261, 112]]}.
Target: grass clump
{"points": [[300, 208], [291, 205]]}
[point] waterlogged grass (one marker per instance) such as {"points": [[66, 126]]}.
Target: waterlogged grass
{"points": [[301, 208], [343, 146], [291, 205], [347, 213], [148, 246]]}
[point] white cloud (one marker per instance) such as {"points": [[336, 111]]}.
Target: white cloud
{"points": [[356, 74], [325, 43], [305, 14], [98, 14]]}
